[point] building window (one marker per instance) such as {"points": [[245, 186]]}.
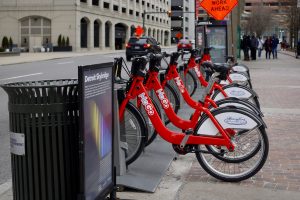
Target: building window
{"points": [[123, 10], [95, 2], [137, 14], [106, 5], [83, 1], [143, 3], [116, 8], [131, 12]]}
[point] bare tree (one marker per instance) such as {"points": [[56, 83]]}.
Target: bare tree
{"points": [[294, 23], [259, 20]]}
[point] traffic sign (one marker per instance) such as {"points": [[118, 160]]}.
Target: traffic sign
{"points": [[139, 31], [218, 9], [179, 35]]}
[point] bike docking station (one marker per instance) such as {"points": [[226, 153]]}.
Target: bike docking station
{"points": [[145, 173]]}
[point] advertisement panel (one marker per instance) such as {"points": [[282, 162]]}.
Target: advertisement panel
{"points": [[96, 113]]}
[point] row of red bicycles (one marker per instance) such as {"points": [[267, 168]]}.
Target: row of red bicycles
{"points": [[226, 131]]}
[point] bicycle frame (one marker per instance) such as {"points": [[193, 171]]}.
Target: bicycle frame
{"points": [[137, 89], [192, 65], [172, 74]]}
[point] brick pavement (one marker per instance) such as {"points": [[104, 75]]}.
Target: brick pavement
{"points": [[277, 83]]}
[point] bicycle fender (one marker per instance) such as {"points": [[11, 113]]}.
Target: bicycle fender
{"points": [[240, 68], [228, 117], [240, 77], [232, 101], [235, 90]]}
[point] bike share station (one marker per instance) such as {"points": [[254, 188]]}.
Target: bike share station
{"points": [[213, 34], [65, 143]]}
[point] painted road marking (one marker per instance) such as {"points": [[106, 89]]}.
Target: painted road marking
{"points": [[16, 77], [64, 63]]}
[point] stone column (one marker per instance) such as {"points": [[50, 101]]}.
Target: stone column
{"points": [[78, 33], [101, 4], [102, 35], [163, 38], [78, 2], [112, 37], [91, 35], [89, 2]]}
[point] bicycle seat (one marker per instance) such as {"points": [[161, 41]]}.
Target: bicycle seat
{"points": [[222, 68], [174, 57], [139, 65]]}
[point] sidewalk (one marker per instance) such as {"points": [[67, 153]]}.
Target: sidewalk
{"points": [[277, 83]]}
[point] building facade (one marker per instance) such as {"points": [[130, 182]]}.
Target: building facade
{"points": [[88, 24], [183, 19]]}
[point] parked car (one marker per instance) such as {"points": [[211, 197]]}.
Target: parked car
{"points": [[141, 46], [184, 45]]}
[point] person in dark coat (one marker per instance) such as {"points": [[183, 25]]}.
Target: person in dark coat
{"points": [[253, 47], [268, 47], [275, 43], [244, 47]]}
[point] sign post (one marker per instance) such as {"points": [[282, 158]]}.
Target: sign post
{"points": [[219, 9], [96, 131]]}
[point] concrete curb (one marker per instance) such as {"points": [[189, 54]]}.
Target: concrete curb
{"points": [[5, 187]]}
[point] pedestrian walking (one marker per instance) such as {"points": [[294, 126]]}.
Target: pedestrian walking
{"points": [[244, 47], [275, 43], [253, 47], [260, 46], [268, 47]]}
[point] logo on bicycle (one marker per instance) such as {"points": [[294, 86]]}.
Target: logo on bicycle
{"points": [[235, 121], [162, 98], [238, 93], [179, 84], [148, 107], [197, 71]]}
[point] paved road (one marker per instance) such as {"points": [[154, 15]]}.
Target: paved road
{"points": [[42, 70]]}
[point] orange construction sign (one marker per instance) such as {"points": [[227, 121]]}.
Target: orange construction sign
{"points": [[218, 9]]}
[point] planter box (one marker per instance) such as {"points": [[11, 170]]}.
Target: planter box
{"points": [[5, 54], [59, 49]]}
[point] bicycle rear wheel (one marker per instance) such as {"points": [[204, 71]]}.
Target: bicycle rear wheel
{"points": [[134, 132], [190, 83], [251, 148]]}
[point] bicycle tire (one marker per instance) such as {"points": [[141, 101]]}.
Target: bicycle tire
{"points": [[226, 175], [190, 83], [135, 132], [152, 133], [173, 98]]}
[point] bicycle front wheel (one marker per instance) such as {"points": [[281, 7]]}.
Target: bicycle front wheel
{"points": [[190, 83], [133, 132]]}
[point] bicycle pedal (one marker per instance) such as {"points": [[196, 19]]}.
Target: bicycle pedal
{"points": [[187, 132]]}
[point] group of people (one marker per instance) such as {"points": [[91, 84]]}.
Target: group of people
{"points": [[256, 45]]}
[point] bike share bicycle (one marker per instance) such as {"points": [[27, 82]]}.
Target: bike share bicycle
{"points": [[214, 128], [137, 130], [220, 92]]}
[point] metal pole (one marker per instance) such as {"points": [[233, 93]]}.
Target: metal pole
{"points": [[196, 22], [144, 19]]}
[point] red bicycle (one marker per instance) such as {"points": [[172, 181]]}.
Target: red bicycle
{"points": [[220, 92], [215, 128]]}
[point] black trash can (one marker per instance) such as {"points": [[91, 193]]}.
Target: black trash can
{"points": [[46, 115]]}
